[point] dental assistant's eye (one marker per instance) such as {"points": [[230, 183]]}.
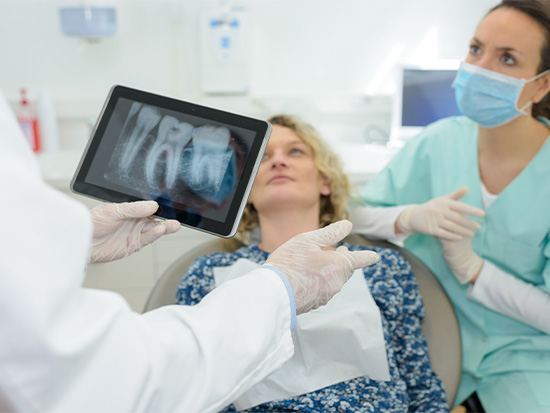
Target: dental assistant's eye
{"points": [[475, 49], [508, 59]]}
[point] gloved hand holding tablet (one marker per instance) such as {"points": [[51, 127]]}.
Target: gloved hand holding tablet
{"points": [[197, 163]]}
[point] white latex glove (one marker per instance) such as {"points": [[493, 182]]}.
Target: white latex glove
{"points": [[122, 229], [315, 270], [462, 259], [443, 217]]}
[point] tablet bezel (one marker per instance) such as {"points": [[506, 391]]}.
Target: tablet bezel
{"points": [[166, 210]]}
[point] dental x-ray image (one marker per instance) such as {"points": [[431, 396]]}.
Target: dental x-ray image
{"points": [[161, 154]]}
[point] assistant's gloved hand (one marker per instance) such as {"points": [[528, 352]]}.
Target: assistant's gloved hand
{"points": [[122, 229], [443, 217], [314, 269], [462, 259]]}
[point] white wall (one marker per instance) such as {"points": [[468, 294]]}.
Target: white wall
{"points": [[315, 57]]}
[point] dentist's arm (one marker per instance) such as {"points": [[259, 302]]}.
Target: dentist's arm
{"points": [[66, 348]]}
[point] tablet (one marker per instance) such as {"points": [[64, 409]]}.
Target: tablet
{"points": [[197, 162]]}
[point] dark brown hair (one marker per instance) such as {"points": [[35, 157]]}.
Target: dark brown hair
{"points": [[539, 11]]}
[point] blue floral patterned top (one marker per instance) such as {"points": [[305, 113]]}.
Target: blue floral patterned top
{"points": [[413, 387]]}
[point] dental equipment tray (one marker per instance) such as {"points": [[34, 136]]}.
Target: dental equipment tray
{"points": [[197, 162]]}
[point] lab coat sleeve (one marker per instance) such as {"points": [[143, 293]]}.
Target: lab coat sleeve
{"points": [[67, 349], [241, 331], [508, 295]]}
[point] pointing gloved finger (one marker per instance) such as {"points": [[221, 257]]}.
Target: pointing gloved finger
{"points": [[459, 193], [444, 234], [467, 209], [359, 259], [329, 235], [461, 220], [457, 229]]}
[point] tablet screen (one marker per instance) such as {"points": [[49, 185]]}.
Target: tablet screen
{"points": [[197, 163]]}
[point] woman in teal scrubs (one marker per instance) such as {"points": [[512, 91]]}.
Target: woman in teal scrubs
{"points": [[489, 244]]}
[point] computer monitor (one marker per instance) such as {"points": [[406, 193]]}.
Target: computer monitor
{"points": [[423, 95]]}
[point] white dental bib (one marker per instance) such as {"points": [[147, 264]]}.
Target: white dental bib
{"points": [[337, 342]]}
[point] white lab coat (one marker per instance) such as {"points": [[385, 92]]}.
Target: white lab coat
{"points": [[64, 348]]}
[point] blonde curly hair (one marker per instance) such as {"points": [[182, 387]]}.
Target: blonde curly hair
{"points": [[333, 207]]}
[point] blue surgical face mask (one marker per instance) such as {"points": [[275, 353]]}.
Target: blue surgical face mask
{"points": [[489, 98]]}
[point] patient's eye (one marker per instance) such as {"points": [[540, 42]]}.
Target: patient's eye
{"points": [[295, 151]]}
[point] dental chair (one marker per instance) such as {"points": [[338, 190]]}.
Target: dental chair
{"points": [[440, 324]]}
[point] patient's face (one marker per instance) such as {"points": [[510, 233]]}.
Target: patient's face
{"points": [[288, 176]]}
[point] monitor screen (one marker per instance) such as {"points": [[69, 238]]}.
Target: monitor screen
{"points": [[427, 96]]}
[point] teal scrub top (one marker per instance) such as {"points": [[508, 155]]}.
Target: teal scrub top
{"points": [[514, 235]]}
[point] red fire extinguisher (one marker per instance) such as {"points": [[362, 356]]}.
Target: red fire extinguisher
{"points": [[29, 122]]}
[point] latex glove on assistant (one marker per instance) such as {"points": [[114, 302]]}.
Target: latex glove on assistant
{"points": [[462, 260], [120, 229], [443, 217], [315, 270]]}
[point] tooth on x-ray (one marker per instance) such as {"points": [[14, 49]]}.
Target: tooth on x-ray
{"points": [[134, 109], [213, 136], [210, 158], [147, 119], [171, 140]]}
